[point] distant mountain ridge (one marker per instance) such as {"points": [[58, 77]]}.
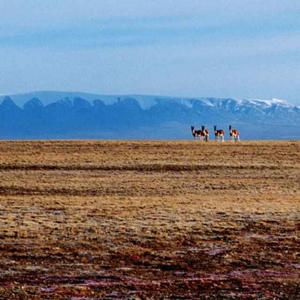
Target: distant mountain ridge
{"points": [[59, 115], [145, 101]]}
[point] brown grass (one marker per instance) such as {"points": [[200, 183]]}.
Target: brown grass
{"points": [[130, 220]]}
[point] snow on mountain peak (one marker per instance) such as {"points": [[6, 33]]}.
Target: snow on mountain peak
{"points": [[147, 101], [271, 102]]}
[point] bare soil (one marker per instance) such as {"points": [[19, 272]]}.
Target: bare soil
{"points": [[149, 220]]}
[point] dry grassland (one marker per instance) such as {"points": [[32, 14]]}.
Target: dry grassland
{"points": [[139, 220]]}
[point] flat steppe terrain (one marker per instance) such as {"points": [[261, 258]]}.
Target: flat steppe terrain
{"points": [[140, 220]]}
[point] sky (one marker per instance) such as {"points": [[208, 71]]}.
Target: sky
{"points": [[193, 48]]}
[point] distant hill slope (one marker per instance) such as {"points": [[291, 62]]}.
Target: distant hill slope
{"points": [[81, 115]]}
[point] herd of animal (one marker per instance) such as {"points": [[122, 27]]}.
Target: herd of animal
{"points": [[203, 134]]}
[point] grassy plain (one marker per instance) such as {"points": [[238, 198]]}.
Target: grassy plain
{"points": [[139, 220]]}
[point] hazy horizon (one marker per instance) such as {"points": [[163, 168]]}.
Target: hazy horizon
{"points": [[26, 96]]}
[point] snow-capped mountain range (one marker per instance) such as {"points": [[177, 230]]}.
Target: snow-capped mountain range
{"points": [[50, 114], [145, 101]]}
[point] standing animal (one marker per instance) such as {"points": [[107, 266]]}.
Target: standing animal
{"points": [[234, 134], [202, 134], [205, 133], [219, 134]]}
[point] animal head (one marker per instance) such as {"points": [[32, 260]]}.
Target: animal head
{"points": [[193, 131]]}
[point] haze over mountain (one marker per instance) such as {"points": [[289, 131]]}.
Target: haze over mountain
{"points": [[77, 115]]}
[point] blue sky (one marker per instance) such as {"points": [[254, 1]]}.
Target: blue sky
{"points": [[233, 48]]}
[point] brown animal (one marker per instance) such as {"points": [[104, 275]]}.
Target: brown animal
{"points": [[202, 134], [219, 134], [234, 134]]}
